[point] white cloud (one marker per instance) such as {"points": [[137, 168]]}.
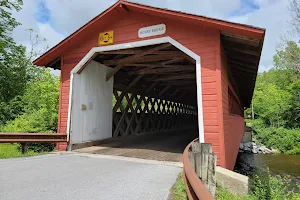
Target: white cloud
{"points": [[69, 15], [53, 37], [275, 17]]}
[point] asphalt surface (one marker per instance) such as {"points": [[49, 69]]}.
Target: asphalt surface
{"points": [[79, 177]]}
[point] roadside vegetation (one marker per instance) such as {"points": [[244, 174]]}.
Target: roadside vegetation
{"points": [[179, 192], [276, 107], [275, 112], [265, 187], [13, 151], [29, 94]]}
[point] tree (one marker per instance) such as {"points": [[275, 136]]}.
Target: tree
{"points": [[294, 7], [16, 69], [12, 72], [40, 105], [288, 58], [271, 102]]}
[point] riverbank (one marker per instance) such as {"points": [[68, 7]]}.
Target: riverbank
{"points": [[251, 164], [283, 140]]}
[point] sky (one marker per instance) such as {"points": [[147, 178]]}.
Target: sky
{"points": [[54, 20]]}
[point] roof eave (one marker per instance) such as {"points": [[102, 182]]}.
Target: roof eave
{"points": [[222, 25], [244, 30], [40, 60]]}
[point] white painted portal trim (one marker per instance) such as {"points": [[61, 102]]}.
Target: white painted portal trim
{"points": [[142, 43], [70, 107]]}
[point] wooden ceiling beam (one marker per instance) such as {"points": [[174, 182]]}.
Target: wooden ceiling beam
{"points": [[240, 39], [121, 61], [242, 50], [241, 60], [149, 58], [175, 92], [234, 54], [182, 82], [244, 66], [164, 90], [158, 65], [136, 56], [174, 77], [164, 69], [181, 96], [152, 86], [135, 80], [136, 51], [174, 60]]}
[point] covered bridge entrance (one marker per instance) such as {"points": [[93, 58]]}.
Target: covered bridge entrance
{"points": [[150, 88], [137, 69]]}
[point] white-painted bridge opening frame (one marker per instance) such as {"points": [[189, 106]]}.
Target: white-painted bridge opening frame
{"points": [[87, 58]]}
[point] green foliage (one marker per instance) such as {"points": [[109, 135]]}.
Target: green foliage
{"points": [[272, 103], [40, 105], [224, 194], [179, 192], [40, 108], [265, 187], [294, 112], [12, 56], [268, 187], [29, 95], [283, 139], [288, 58], [12, 151], [276, 102]]}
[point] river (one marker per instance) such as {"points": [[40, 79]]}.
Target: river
{"points": [[278, 164]]}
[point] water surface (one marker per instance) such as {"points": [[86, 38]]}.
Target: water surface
{"points": [[278, 164]]}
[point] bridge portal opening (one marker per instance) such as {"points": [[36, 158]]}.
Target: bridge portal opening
{"points": [[136, 102]]}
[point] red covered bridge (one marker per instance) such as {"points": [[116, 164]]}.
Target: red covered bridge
{"points": [[176, 76]]}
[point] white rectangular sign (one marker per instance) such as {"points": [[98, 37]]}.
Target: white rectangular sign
{"points": [[149, 31]]}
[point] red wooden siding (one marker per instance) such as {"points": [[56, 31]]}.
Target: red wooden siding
{"points": [[233, 123], [203, 41]]}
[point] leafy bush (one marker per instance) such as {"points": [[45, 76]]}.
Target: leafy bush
{"points": [[268, 187], [265, 187], [283, 139], [33, 122], [40, 108]]}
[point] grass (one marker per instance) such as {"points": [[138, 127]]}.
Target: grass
{"points": [[223, 194], [274, 189], [179, 192], [12, 151]]}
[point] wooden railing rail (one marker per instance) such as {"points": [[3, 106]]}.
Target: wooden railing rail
{"points": [[32, 137], [25, 138], [195, 188]]}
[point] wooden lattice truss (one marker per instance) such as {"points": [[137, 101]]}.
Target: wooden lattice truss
{"points": [[134, 114], [154, 88]]}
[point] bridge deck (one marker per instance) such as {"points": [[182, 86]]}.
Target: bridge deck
{"points": [[159, 146]]}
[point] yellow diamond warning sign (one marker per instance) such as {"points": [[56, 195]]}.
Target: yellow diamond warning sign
{"points": [[106, 38]]}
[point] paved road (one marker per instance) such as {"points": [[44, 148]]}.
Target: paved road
{"points": [[80, 177]]}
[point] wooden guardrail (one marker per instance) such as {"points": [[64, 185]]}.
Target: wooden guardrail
{"points": [[32, 137], [199, 165], [24, 138]]}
